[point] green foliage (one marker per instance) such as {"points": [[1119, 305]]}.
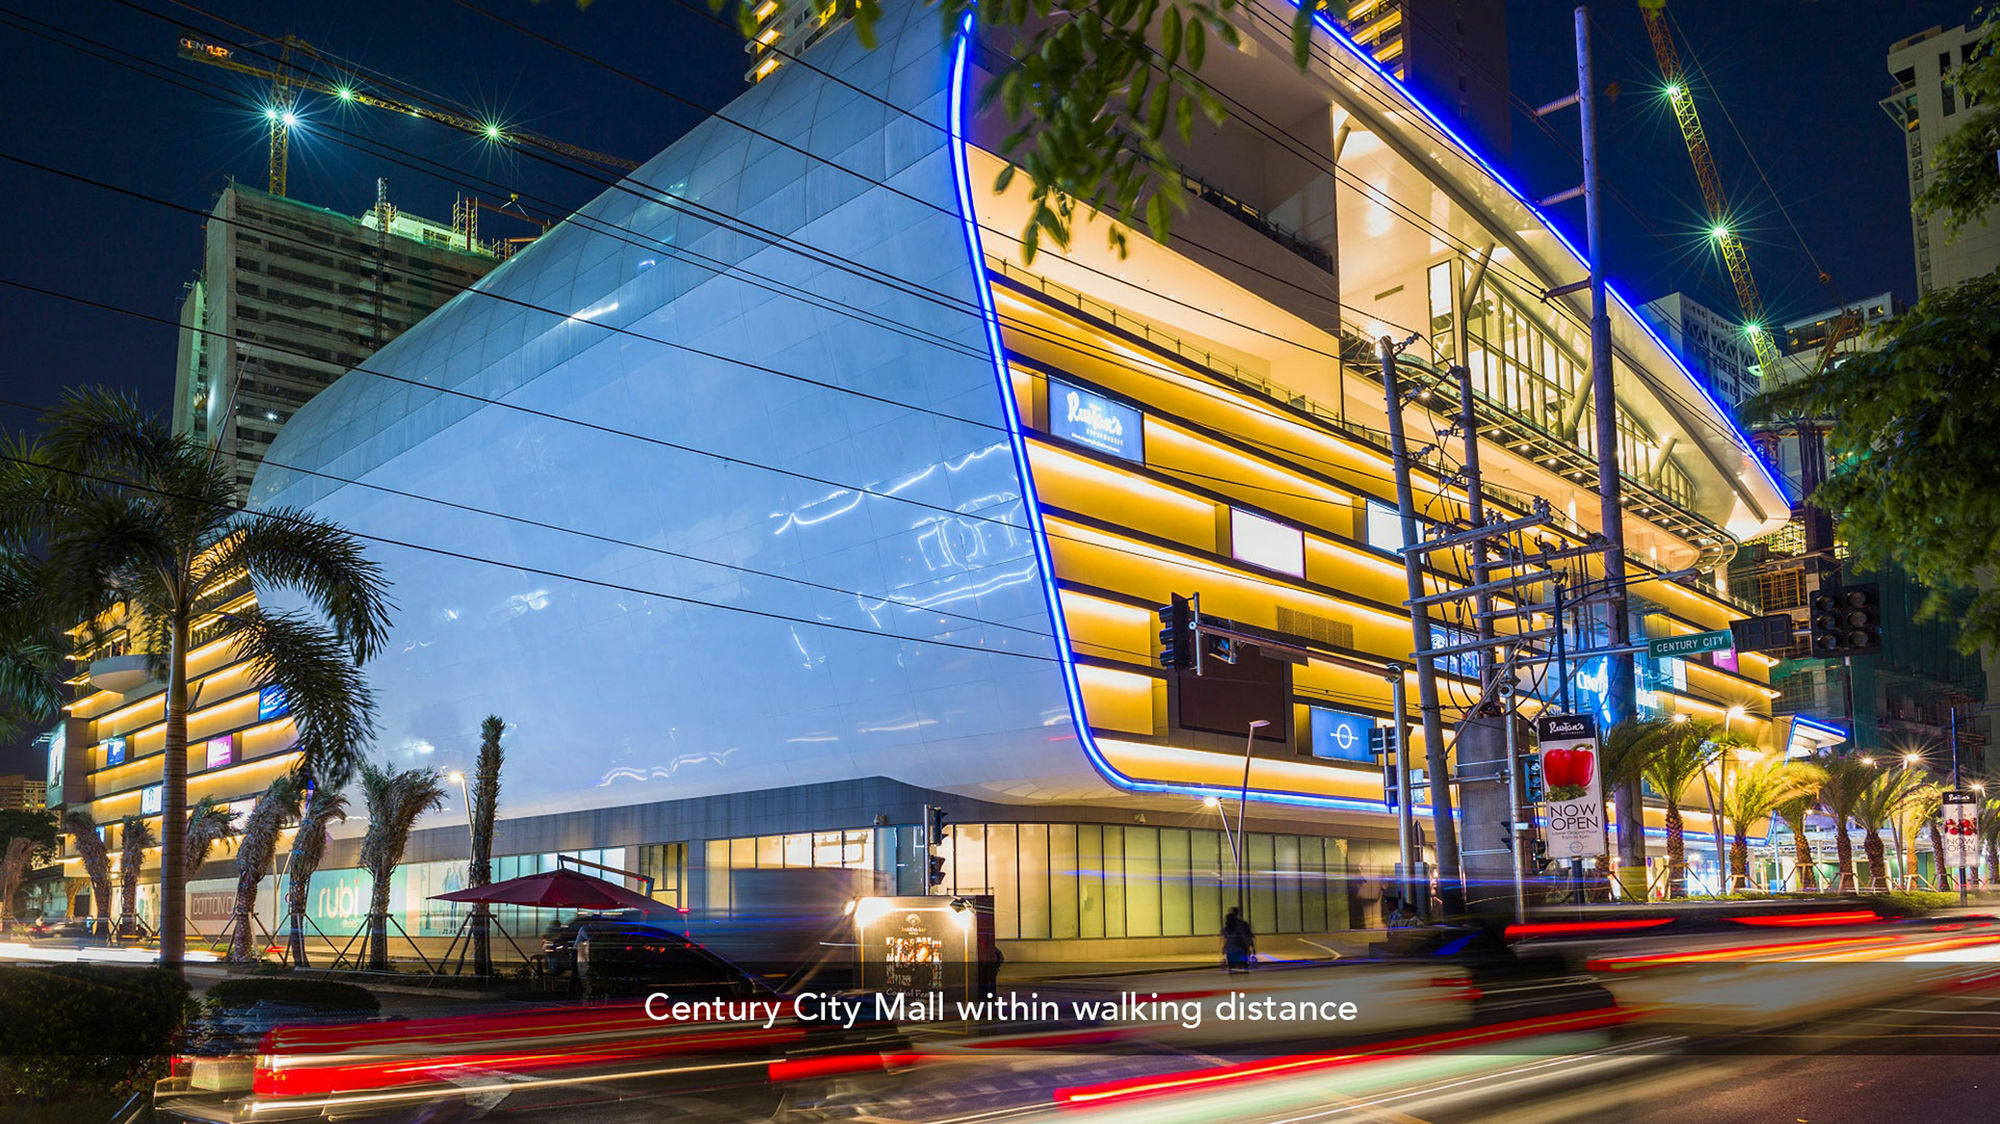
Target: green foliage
{"points": [[86, 1028], [1906, 902], [1915, 474], [327, 995], [1095, 92], [38, 827], [394, 801], [1964, 182]]}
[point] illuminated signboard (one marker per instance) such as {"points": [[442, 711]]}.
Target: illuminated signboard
{"points": [[1096, 422], [221, 751], [1340, 736], [149, 800], [1267, 543], [272, 703], [921, 945], [114, 751]]}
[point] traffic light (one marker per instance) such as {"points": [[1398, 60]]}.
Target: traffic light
{"points": [[936, 871], [1178, 643], [1847, 620], [1541, 858], [934, 821]]}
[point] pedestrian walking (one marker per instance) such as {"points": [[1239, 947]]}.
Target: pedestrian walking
{"points": [[1239, 943]]}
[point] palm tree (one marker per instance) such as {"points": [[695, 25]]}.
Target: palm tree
{"points": [[394, 800], [1846, 779], [13, 867], [30, 647], [1793, 810], [129, 513], [308, 848], [485, 804], [1754, 791], [1878, 807], [1679, 757], [254, 855], [209, 823], [1922, 811], [1727, 745], [96, 860], [134, 836], [1622, 754], [1989, 833]]}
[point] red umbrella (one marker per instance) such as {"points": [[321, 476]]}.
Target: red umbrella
{"points": [[555, 889]]}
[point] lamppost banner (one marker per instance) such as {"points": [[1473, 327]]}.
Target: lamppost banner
{"points": [[1960, 812], [1573, 786]]}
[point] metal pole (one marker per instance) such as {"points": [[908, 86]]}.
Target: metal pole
{"points": [[1399, 704], [1621, 689], [1562, 645], [1514, 829], [1954, 788], [1475, 510], [1242, 801], [1443, 829]]}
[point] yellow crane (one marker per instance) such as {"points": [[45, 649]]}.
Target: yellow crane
{"points": [[1727, 241], [286, 79]]}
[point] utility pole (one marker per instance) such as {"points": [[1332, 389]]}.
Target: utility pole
{"points": [[1436, 761], [1475, 512], [1406, 857], [1621, 688]]}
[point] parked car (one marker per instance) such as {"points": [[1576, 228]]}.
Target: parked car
{"points": [[559, 939]]}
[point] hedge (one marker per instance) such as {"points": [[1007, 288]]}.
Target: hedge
{"points": [[326, 995], [76, 1028]]}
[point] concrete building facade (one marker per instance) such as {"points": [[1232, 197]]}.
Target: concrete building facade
{"points": [[1711, 342], [291, 297], [1926, 108]]}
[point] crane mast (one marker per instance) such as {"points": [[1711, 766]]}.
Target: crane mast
{"points": [[1727, 241]]}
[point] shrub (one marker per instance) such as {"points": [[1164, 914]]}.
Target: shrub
{"points": [[70, 1028], [326, 995], [1906, 902]]}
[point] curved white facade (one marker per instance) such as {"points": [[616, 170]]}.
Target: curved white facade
{"points": [[877, 607]]}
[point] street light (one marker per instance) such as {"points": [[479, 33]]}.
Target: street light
{"points": [[1243, 799], [1865, 760], [471, 834]]}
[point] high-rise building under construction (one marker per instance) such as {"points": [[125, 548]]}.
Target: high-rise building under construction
{"points": [[293, 296]]}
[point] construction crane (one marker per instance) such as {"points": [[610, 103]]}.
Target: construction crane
{"points": [[1728, 243], [287, 79]]}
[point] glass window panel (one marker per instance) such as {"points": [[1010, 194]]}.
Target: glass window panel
{"points": [[798, 850], [1287, 884], [1114, 882], [1034, 875], [1176, 907], [1142, 882], [1209, 861], [1062, 881], [1090, 880], [1002, 873], [770, 852], [966, 866], [717, 862], [1258, 859]]}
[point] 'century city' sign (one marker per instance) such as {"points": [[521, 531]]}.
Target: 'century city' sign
{"points": [[1693, 644]]}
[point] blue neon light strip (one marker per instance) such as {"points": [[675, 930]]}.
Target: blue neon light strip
{"points": [[1822, 727], [1016, 437], [1334, 30]]}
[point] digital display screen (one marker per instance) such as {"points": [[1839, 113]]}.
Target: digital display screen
{"points": [[1340, 736], [221, 751], [272, 703], [114, 751], [149, 800]]}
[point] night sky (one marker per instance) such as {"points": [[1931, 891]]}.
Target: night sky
{"points": [[1800, 78]]}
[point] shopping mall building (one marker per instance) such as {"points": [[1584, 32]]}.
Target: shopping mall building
{"points": [[774, 496]]}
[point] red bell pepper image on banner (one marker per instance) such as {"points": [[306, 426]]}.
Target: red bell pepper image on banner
{"points": [[1567, 772]]}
